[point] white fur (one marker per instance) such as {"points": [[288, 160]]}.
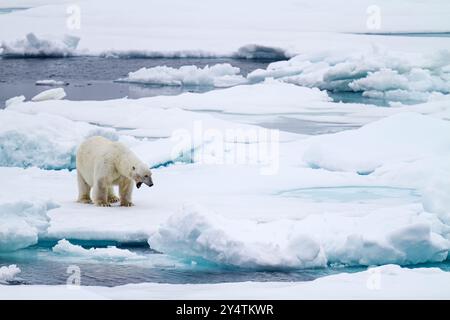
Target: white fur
{"points": [[101, 164]]}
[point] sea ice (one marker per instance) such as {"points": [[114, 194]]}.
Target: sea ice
{"points": [[32, 46], [275, 30], [393, 76], [14, 100], [195, 232], [50, 82], [8, 273], [23, 222], [43, 140], [314, 241], [401, 137], [385, 282], [50, 94], [111, 253], [218, 75]]}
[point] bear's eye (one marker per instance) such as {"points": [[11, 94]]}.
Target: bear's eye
{"points": [[146, 176], [133, 168]]}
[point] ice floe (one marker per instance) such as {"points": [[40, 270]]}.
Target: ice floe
{"points": [[196, 233], [314, 241], [218, 75], [50, 94], [8, 273], [13, 100], [50, 82], [111, 253], [380, 74], [23, 221]]}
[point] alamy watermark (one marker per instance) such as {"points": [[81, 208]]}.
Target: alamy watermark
{"points": [[73, 20], [74, 279], [373, 21], [229, 146], [374, 280]]}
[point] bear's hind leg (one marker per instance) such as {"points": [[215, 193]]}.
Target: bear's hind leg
{"points": [[101, 193], [125, 191], [84, 190], [112, 198]]}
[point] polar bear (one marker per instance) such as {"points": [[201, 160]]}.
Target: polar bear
{"points": [[101, 164]]}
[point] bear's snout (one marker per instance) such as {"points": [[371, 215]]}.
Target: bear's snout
{"points": [[148, 181]]}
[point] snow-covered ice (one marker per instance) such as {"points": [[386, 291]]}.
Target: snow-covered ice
{"points": [[46, 141], [110, 253], [23, 221], [218, 75], [8, 273], [401, 137], [50, 94], [373, 195], [13, 100], [50, 82], [377, 73], [32, 46], [277, 29]]}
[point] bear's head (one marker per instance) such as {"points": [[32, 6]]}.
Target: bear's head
{"points": [[141, 174]]}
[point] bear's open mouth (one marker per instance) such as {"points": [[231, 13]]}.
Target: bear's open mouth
{"points": [[138, 184]]}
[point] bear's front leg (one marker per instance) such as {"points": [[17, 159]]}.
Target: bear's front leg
{"points": [[125, 192], [111, 196], [100, 193]]}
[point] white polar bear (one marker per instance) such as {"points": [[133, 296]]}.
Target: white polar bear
{"points": [[101, 164]]}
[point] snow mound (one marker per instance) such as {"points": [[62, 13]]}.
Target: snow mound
{"points": [[51, 94], [8, 273], [43, 140], [22, 223], [113, 253], [218, 75], [32, 46], [50, 82], [390, 76], [401, 137]]}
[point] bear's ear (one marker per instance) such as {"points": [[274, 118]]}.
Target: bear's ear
{"points": [[133, 168]]}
